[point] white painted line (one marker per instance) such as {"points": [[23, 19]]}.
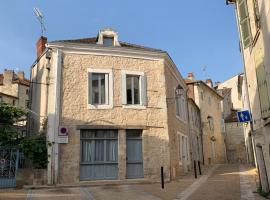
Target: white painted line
{"points": [[29, 195], [87, 193], [194, 186], [245, 186]]}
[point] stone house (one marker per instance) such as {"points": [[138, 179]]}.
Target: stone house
{"points": [[113, 110], [195, 132], [208, 100], [14, 88], [253, 20], [238, 138]]}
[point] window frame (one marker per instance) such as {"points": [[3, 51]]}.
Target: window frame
{"points": [[184, 102], [141, 74], [108, 89]]}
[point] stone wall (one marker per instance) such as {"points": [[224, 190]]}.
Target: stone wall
{"points": [[74, 112]]}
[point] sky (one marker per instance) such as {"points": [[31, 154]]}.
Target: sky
{"points": [[197, 34]]}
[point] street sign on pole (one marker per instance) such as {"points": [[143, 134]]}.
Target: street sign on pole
{"points": [[244, 116]]}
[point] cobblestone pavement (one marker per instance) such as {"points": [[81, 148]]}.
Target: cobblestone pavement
{"points": [[220, 182]]}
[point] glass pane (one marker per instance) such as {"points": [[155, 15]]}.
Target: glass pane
{"points": [[99, 134], [111, 150], [134, 133], [107, 41], [88, 134], [95, 89], [87, 151], [129, 90], [102, 88], [242, 10], [136, 80], [99, 150], [111, 134]]}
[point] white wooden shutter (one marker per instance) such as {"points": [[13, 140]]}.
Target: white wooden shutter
{"points": [[144, 90], [244, 23], [89, 91], [124, 90]]}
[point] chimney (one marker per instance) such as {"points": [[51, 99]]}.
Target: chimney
{"points": [[20, 75], [190, 76], [209, 82], [41, 45], [8, 76]]}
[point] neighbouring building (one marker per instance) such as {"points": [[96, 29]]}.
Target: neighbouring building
{"points": [[253, 19], [14, 88], [208, 100], [195, 132], [112, 110], [239, 144]]}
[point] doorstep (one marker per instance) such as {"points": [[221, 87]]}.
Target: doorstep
{"points": [[93, 183]]}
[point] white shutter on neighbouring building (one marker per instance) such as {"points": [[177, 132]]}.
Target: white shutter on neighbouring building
{"points": [[124, 90], [144, 90]]}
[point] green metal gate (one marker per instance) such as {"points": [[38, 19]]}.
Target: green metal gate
{"points": [[8, 167]]}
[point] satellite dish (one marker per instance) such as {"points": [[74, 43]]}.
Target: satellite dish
{"points": [[39, 16]]}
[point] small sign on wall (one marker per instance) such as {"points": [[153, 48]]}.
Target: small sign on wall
{"points": [[63, 135]]}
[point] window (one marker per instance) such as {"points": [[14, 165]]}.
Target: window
{"points": [[1, 99], [244, 23], [134, 88], [13, 102], [180, 99], [107, 41], [26, 91], [209, 100], [100, 89], [202, 95], [99, 154], [210, 121], [27, 104]]}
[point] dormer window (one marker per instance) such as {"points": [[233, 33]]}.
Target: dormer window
{"points": [[107, 41], [108, 37]]}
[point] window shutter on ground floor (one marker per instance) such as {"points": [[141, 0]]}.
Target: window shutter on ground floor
{"points": [[262, 83], [89, 88]]}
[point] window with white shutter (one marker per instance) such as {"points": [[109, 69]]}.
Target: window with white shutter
{"points": [[244, 23]]}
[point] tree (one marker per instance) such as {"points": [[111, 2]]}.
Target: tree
{"points": [[34, 147]]}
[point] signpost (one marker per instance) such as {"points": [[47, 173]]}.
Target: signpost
{"points": [[244, 116]]}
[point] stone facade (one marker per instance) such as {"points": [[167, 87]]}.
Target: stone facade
{"points": [[16, 85], [208, 100], [64, 101], [257, 72]]}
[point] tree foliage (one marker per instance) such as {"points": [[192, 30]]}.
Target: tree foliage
{"points": [[34, 147]]}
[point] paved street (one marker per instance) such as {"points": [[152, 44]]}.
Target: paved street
{"points": [[222, 182]]}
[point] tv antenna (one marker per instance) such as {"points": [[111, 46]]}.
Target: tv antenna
{"points": [[204, 72], [40, 19]]}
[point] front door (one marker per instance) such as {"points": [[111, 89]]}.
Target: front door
{"points": [[185, 153], [134, 154]]}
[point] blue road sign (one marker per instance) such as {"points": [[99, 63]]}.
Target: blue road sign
{"points": [[244, 116]]}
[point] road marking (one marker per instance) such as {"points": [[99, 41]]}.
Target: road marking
{"points": [[194, 186], [245, 186], [29, 195], [88, 195]]}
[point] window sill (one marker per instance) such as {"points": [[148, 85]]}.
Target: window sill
{"points": [[140, 107], [94, 107], [180, 119]]}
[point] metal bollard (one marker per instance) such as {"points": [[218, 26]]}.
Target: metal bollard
{"points": [[195, 169], [199, 165], [162, 178]]}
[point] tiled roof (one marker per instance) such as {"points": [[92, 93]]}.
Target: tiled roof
{"points": [[93, 41], [224, 91], [188, 81], [18, 80]]}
